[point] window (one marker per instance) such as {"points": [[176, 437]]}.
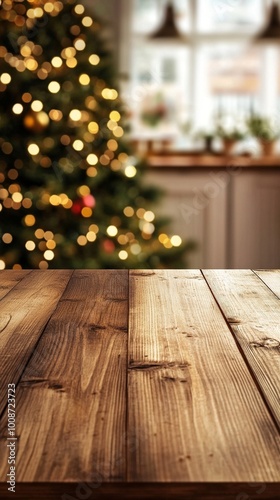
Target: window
{"points": [[230, 15], [160, 81], [230, 81], [217, 71]]}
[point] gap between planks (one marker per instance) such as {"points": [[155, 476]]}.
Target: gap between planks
{"points": [[271, 278], [192, 402], [252, 311], [25, 310], [84, 353], [9, 279]]}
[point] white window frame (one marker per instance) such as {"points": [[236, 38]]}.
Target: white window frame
{"points": [[269, 94]]}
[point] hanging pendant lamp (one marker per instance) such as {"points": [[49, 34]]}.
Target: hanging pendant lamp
{"points": [[168, 30], [271, 33]]}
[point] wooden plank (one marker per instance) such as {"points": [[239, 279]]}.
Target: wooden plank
{"points": [[271, 278], [24, 313], [136, 491], [9, 279], [71, 415], [194, 410], [253, 313]]}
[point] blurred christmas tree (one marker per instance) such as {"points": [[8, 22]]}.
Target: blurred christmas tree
{"points": [[70, 191]]}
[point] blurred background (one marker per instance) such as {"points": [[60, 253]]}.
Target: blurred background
{"points": [[204, 108], [90, 91], [214, 70]]}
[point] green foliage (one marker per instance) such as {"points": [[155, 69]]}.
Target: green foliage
{"points": [[262, 128], [234, 134]]}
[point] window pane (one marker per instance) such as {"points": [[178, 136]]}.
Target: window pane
{"points": [[149, 14], [233, 81], [230, 15], [234, 70], [160, 89], [145, 15], [183, 15], [169, 69]]}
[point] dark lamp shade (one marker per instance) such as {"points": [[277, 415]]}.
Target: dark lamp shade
{"points": [[168, 29], [271, 33]]}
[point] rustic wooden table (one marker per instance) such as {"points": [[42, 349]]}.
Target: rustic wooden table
{"points": [[140, 384]]}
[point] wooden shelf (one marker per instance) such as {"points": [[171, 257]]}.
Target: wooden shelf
{"points": [[185, 160]]}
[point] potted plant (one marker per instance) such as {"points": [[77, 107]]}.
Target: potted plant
{"points": [[208, 138], [262, 128], [229, 137]]}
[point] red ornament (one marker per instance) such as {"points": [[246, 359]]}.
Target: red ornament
{"points": [[108, 246], [77, 207]]}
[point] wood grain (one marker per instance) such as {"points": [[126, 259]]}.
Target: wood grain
{"points": [[172, 410], [194, 411], [253, 313], [71, 414], [271, 278], [9, 279], [24, 313]]}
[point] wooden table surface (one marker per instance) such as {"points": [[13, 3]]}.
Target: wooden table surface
{"points": [[141, 384]]}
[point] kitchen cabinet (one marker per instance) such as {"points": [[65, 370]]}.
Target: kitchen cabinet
{"points": [[232, 212]]}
